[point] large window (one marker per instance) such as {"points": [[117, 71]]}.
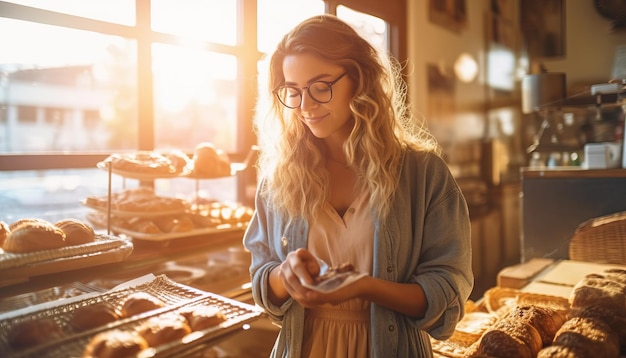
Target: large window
{"points": [[80, 80]]}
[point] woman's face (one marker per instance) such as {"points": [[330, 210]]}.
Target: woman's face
{"points": [[332, 120]]}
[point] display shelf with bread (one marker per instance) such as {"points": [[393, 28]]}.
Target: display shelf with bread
{"points": [[207, 162], [155, 316], [32, 247], [508, 322]]}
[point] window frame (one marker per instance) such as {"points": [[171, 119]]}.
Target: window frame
{"points": [[393, 12]]}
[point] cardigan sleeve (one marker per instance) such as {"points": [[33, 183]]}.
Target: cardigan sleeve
{"points": [[265, 257], [444, 268]]}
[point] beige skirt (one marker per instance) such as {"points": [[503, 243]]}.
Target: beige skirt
{"points": [[336, 332]]}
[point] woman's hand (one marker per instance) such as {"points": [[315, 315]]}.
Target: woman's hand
{"points": [[301, 266]]}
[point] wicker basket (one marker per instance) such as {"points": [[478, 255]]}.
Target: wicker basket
{"points": [[600, 240]]}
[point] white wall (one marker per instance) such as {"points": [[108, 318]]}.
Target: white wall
{"points": [[590, 45]]}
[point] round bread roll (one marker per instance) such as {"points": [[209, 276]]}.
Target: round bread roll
{"points": [[4, 232], [203, 317], [32, 333], [599, 291], [139, 302], [34, 236], [210, 162], [164, 329], [115, 343], [76, 231], [95, 315], [590, 335]]}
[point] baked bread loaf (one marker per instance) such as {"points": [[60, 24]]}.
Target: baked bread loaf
{"points": [[95, 315], [208, 161], [509, 338], [34, 236], [203, 317], [114, 344], [545, 320], [139, 302], [32, 333], [562, 352], [616, 322], [588, 335], [594, 290], [76, 231], [164, 329]]}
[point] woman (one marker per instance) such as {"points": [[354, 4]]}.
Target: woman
{"points": [[348, 176]]}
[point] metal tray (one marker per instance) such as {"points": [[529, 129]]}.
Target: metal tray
{"points": [[173, 294]]}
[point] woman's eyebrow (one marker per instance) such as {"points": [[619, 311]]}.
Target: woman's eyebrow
{"points": [[316, 78]]}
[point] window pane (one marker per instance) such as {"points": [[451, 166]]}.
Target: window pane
{"points": [[195, 98], [53, 194], [65, 90], [116, 11], [214, 21], [373, 29], [273, 22]]}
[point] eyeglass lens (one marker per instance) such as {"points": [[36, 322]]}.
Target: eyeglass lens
{"points": [[318, 91]]}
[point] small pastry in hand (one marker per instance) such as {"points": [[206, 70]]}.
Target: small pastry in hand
{"points": [[164, 329], [140, 302], [203, 317], [34, 236], [35, 332], [95, 315], [115, 344], [76, 231]]}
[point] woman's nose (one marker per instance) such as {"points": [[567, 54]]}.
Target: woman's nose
{"points": [[307, 101]]}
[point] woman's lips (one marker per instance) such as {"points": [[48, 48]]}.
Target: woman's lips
{"points": [[314, 119]]}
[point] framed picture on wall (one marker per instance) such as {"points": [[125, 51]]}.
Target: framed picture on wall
{"points": [[543, 27], [450, 14]]}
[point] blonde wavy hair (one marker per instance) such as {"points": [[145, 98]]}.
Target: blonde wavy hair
{"points": [[292, 159]]}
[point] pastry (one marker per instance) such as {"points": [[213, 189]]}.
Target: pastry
{"points": [[76, 231], [164, 329], [334, 271], [139, 302], [616, 322], [91, 316], [4, 232], [114, 344], [144, 162], [178, 160], [545, 320], [510, 338], [34, 236], [203, 317], [19, 222], [562, 352], [209, 161], [599, 291], [590, 335], [32, 333]]}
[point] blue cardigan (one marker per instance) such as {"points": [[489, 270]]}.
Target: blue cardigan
{"points": [[425, 239]]}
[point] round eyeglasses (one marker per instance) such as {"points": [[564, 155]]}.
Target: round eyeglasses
{"points": [[319, 91]]}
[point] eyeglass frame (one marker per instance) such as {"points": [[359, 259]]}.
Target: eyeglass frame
{"points": [[330, 85]]}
